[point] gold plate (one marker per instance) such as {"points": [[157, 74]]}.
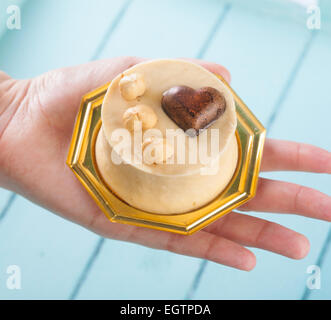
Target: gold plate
{"points": [[81, 159]]}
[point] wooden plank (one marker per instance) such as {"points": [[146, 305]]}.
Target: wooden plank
{"points": [[56, 33], [277, 277], [125, 270], [49, 250], [252, 46], [129, 271], [164, 29]]}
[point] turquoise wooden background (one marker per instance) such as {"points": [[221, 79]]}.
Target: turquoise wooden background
{"points": [[279, 68]]}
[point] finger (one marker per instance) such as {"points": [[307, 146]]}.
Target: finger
{"points": [[202, 244], [259, 233], [286, 155], [212, 67], [285, 197], [4, 76]]}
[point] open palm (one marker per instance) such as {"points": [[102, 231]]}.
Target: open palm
{"points": [[34, 141]]}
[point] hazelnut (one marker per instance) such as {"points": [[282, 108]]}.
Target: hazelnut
{"points": [[132, 86], [140, 112], [157, 150]]}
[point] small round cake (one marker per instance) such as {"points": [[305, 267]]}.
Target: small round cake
{"points": [[167, 143]]}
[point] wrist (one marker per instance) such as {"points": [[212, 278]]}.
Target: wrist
{"points": [[12, 96]]}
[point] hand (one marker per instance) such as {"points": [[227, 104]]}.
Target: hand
{"points": [[35, 133]]}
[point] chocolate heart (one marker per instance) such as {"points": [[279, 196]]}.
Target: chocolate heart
{"points": [[193, 109]]}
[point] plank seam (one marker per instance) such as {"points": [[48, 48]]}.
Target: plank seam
{"points": [[111, 29], [8, 205], [288, 84], [213, 31], [87, 268], [196, 280]]}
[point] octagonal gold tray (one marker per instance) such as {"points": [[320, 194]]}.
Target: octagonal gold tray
{"points": [[81, 159]]}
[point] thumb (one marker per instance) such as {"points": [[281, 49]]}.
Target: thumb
{"points": [[71, 83]]}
